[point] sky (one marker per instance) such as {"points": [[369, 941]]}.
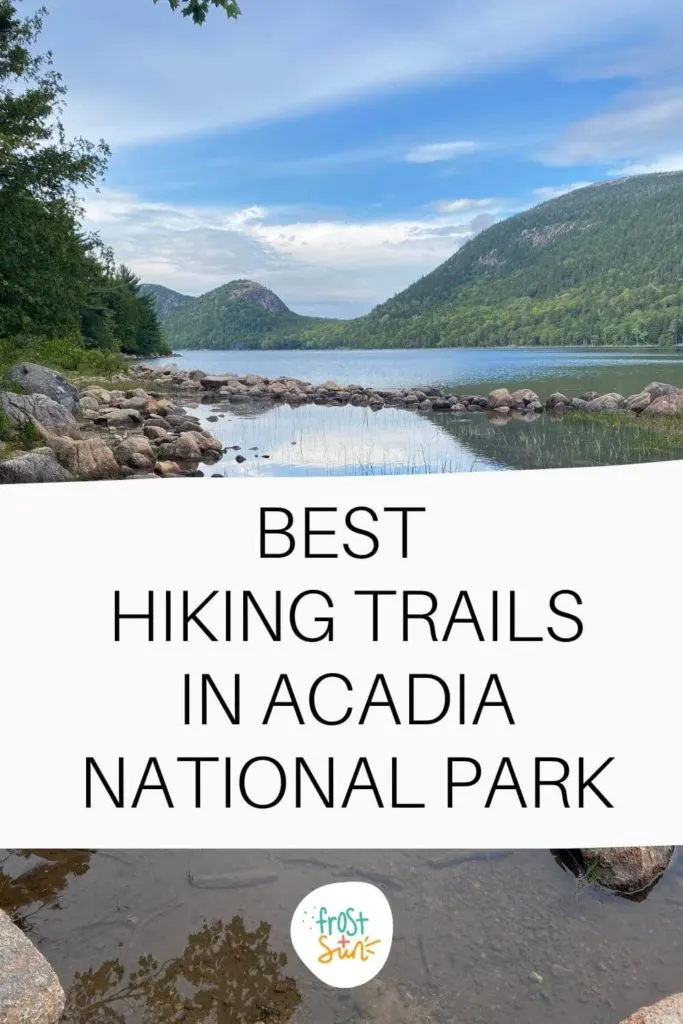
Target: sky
{"points": [[337, 150]]}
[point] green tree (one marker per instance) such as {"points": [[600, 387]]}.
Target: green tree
{"points": [[199, 9]]}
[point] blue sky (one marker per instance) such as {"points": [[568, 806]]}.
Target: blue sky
{"points": [[336, 150]]}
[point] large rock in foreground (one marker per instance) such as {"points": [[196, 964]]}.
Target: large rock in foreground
{"points": [[46, 415], [38, 380], [668, 1011], [87, 460], [30, 992], [38, 467], [629, 871]]}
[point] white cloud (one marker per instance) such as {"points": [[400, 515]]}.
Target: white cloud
{"points": [[437, 151], [640, 125], [554, 191], [662, 165], [326, 267], [137, 73]]}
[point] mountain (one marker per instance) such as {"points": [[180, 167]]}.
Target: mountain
{"points": [[601, 265], [240, 314], [165, 299]]}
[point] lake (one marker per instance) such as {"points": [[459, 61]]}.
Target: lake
{"points": [[481, 937], [320, 440]]}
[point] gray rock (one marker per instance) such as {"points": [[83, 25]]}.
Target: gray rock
{"points": [[659, 390], [30, 992], [667, 1011], [606, 403], [38, 380], [119, 418], [557, 398], [636, 403], [39, 467], [48, 416]]}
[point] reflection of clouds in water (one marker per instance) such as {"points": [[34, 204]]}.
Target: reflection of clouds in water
{"points": [[338, 441]]}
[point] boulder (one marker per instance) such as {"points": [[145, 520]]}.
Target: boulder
{"points": [[38, 380], [659, 390], [630, 871], [557, 398], [48, 416], [212, 382], [636, 403], [606, 403], [500, 397], [154, 432], [88, 404], [588, 396], [139, 402], [37, 467], [87, 460], [665, 405], [168, 468], [524, 395], [667, 1011], [136, 452], [119, 418], [30, 992], [331, 385], [101, 396], [185, 448]]}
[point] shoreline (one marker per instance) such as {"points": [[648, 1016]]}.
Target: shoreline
{"points": [[138, 424]]}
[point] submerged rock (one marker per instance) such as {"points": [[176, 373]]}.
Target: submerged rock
{"points": [[30, 992], [38, 380], [667, 1011]]}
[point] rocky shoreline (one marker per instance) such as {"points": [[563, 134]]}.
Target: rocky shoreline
{"points": [[60, 430], [30, 992]]}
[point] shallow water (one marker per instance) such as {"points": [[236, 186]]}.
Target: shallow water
{"points": [[350, 440], [480, 937], [318, 440]]}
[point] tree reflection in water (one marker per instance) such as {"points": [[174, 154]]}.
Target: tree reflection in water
{"points": [[38, 888], [225, 975]]}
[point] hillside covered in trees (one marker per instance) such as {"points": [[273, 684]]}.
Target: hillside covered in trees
{"points": [[240, 314], [63, 299], [602, 265]]}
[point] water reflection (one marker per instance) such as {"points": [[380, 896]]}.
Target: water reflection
{"points": [[25, 894], [318, 440], [227, 974]]}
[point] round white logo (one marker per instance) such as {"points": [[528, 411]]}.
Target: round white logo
{"points": [[343, 933]]}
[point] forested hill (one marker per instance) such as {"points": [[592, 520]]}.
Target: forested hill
{"points": [[601, 265], [240, 314]]}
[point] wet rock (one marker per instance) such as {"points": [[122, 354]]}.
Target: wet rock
{"points": [[500, 397], [46, 415], [212, 382], [636, 403], [441, 404], [30, 992], [136, 452], [665, 405], [38, 380], [557, 398], [606, 403], [667, 1011], [240, 458], [91, 459], [212, 419], [629, 871], [38, 467]]}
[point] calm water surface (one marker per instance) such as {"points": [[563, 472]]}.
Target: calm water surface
{"points": [[319, 440], [480, 937]]}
